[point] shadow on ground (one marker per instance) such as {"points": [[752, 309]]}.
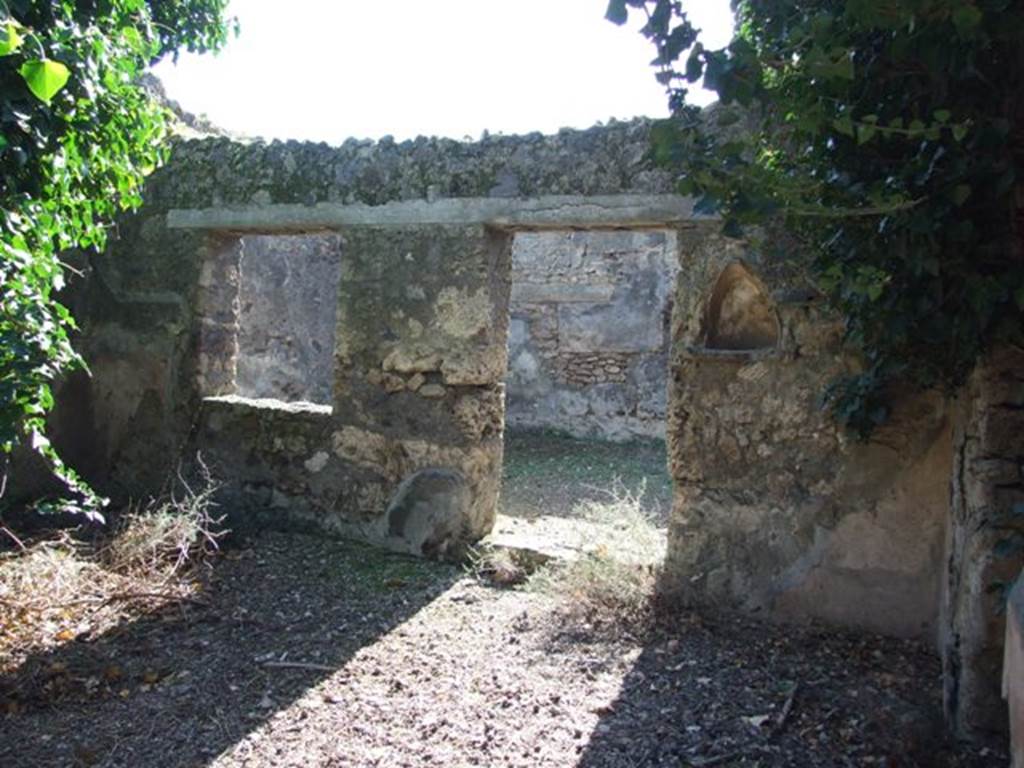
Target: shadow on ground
{"points": [[725, 691], [180, 688]]}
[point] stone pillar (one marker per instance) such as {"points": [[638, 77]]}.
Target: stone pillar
{"points": [[218, 311], [421, 355], [987, 489]]}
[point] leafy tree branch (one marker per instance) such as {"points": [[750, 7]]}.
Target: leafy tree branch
{"points": [[79, 135], [887, 134]]}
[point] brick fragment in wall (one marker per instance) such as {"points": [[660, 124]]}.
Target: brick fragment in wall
{"points": [[585, 369]]}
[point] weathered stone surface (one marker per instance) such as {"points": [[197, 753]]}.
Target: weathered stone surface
{"points": [[429, 514], [288, 297], [453, 335], [985, 493], [560, 293], [546, 211], [219, 172], [588, 341], [632, 321], [776, 510]]}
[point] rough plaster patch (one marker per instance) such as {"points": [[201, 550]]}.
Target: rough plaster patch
{"points": [[462, 314], [368, 450], [412, 359], [869, 542], [474, 371]]}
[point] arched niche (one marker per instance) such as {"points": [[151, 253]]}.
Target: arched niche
{"points": [[740, 315]]}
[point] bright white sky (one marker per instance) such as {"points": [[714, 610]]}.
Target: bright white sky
{"points": [[326, 70]]}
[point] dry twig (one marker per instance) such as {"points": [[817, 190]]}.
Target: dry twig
{"points": [[298, 665], [780, 721]]}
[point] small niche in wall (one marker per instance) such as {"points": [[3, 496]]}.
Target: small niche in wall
{"points": [[288, 297], [740, 315]]}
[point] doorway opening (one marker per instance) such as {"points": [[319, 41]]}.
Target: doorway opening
{"points": [[586, 391]]}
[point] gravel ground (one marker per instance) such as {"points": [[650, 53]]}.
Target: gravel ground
{"points": [[311, 652]]}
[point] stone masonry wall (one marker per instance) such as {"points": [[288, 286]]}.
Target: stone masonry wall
{"points": [[588, 343], [401, 415], [987, 519], [159, 311], [776, 510], [419, 361]]}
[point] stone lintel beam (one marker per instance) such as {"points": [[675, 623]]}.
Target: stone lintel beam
{"points": [[549, 212]]}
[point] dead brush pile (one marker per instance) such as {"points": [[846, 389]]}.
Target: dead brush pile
{"points": [[60, 589]]}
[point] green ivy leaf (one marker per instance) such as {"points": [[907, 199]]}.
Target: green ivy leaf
{"points": [[844, 125], [617, 12], [844, 66], [45, 77], [132, 37], [10, 38], [864, 133], [966, 19]]}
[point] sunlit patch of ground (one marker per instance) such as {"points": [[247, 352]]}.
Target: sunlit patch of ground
{"points": [[565, 498]]}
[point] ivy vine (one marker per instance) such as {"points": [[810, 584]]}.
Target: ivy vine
{"points": [[887, 136], [78, 136]]}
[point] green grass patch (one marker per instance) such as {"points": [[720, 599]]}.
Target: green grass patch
{"points": [[549, 456]]}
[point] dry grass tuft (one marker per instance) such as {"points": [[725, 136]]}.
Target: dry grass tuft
{"points": [[614, 578], [497, 567], [61, 589], [164, 536]]}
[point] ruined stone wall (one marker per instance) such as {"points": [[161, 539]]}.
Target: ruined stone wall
{"points": [[588, 343], [220, 172], [168, 317], [589, 328], [420, 358], [776, 510], [124, 423], [770, 494], [984, 541]]}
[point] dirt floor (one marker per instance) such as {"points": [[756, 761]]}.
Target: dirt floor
{"points": [[549, 473], [303, 651]]}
